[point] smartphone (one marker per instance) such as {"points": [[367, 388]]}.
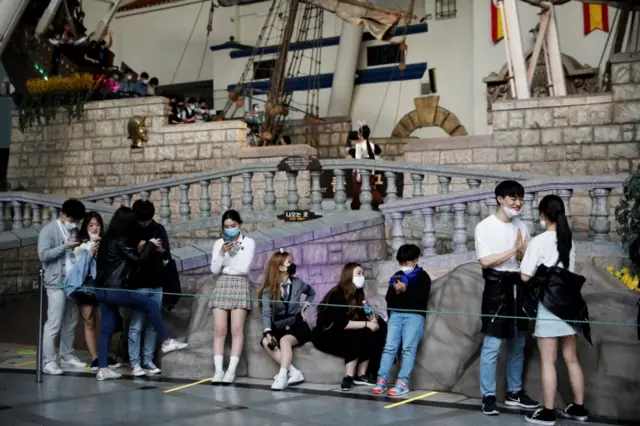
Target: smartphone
{"points": [[227, 239]]}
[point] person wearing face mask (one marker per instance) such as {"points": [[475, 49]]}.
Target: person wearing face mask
{"points": [[407, 302], [501, 240], [365, 150], [175, 116], [142, 85], [80, 283], [128, 85], [189, 113], [231, 261], [56, 242], [347, 328], [548, 265], [282, 316]]}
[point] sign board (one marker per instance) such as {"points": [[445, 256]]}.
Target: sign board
{"points": [[299, 163], [328, 183], [298, 216]]}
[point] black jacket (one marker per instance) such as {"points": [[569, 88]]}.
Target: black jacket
{"points": [[498, 300], [414, 298], [559, 291], [150, 272], [116, 258]]}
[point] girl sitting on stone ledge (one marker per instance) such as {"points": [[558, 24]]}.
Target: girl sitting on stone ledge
{"points": [[282, 316], [348, 328]]}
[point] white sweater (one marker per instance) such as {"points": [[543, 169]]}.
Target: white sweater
{"points": [[240, 264]]}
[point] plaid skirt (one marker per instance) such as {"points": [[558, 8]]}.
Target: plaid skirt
{"points": [[230, 292]]}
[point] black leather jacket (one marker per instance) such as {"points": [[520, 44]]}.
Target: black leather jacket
{"points": [[116, 258], [498, 300], [559, 291]]}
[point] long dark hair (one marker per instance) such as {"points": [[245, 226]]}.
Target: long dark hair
{"points": [[552, 208], [233, 215], [346, 288], [83, 234], [124, 224]]}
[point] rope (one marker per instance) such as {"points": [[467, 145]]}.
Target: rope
{"points": [[187, 44], [206, 43], [414, 311]]}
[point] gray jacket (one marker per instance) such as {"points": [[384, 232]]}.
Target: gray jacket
{"points": [[51, 252], [277, 314]]}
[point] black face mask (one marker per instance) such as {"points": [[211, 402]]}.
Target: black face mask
{"points": [[291, 269]]}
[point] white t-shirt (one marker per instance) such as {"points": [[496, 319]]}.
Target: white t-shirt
{"points": [[495, 236], [543, 250], [236, 262]]}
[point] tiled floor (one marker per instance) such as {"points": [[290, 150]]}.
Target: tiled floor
{"points": [[78, 399]]}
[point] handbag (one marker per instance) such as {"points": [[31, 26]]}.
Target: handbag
{"points": [[171, 285]]}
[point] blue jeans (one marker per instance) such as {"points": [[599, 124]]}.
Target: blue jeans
{"points": [[489, 362], [138, 321], [110, 301], [405, 328]]}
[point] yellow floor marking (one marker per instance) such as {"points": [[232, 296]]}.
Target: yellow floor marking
{"points": [[189, 385], [22, 364], [415, 398]]}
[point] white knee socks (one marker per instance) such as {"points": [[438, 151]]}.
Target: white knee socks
{"points": [[233, 364], [217, 363]]}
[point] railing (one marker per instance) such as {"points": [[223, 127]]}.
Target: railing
{"points": [[467, 210], [22, 210], [205, 180]]}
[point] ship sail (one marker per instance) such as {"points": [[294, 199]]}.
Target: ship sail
{"points": [[379, 21]]}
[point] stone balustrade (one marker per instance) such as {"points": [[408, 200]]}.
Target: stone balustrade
{"points": [[460, 211], [21, 211], [175, 191]]}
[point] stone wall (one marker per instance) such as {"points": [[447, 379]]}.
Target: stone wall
{"points": [[95, 154], [329, 137], [19, 270]]}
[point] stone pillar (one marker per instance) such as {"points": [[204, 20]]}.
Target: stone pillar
{"points": [[345, 72], [12, 11]]}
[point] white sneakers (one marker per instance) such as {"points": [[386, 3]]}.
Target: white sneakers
{"points": [[295, 377], [73, 362], [229, 377], [52, 369], [221, 377], [287, 378], [137, 371], [149, 369], [173, 345], [217, 378], [280, 381], [107, 374]]}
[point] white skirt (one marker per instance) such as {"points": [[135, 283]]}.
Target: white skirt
{"points": [[549, 325]]}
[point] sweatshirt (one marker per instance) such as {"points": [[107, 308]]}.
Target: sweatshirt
{"points": [[415, 297]]}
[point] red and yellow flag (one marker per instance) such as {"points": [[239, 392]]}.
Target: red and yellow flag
{"points": [[497, 32], [596, 17]]}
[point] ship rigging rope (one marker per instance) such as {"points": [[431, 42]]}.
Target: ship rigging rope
{"points": [[206, 43], [187, 44]]}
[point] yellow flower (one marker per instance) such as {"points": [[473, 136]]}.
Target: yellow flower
{"points": [[618, 275], [61, 84], [609, 268]]}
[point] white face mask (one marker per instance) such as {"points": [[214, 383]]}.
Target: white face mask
{"points": [[358, 282], [510, 212], [145, 81], [70, 226], [93, 237], [543, 224], [407, 269]]}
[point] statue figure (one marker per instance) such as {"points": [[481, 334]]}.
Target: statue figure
{"points": [[137, 129]]}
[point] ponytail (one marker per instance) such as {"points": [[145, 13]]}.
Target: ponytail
{"points": [[565, 238]]}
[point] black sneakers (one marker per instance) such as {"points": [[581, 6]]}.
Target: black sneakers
{"points": [[489, 406], [520, 400], [365, 380], [542, 416], [575, 412], [347, 384]]}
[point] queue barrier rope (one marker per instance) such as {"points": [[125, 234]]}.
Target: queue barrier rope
{"points": [[328, 305]]}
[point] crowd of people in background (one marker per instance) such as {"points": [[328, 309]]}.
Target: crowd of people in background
{"points": [[192, 111]]}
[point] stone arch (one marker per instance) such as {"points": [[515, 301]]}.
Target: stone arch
{"points": [[427, 114]]}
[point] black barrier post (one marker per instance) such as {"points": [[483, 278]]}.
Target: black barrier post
{"points": [[39, 354]]}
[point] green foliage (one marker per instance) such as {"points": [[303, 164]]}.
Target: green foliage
{"points": [[628, 210], [39, 107]]}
